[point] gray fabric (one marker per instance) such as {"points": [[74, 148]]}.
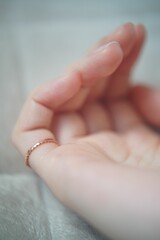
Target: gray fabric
{"points": [[29, 211]]}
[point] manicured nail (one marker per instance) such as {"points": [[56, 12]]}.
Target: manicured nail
{"points": [[103, 47]]}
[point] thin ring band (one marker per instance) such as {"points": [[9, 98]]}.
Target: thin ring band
{"points": [[47, 140]]}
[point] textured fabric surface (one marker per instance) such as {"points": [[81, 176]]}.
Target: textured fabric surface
{"points": [[29, 211]]}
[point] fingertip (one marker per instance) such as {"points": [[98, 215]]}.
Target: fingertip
{"points": [[129, 26], [127, 35], [141, 27], [114, 56], [124, 34], [141, 33], [101, 63]]}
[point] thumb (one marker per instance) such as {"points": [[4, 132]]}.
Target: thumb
{"points": [[147, 102]]}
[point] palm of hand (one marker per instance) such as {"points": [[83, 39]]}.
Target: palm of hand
{"points": [[114, 132]]}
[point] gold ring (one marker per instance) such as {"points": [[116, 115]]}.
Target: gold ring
{"points": [[47, 140]]}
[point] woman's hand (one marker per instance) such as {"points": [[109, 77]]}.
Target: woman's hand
{"points": [[105, 165]]}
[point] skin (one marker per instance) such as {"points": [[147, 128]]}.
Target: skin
{"points": [[105, 165]]}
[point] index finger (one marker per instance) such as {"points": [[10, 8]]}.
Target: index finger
{"points": [[37, 114]]}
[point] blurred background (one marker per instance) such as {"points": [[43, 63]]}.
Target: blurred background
{"points": [[39, 38]]}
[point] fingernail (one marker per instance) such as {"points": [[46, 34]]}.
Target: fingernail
{"points": [[103, 47], [125, 26]]}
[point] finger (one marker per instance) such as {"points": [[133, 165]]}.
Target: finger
{"points": [[101, 63], [96, 117], [125, 35], [124, 116], [35, 119], [119, 82], [77, 101], [147, 102], [92, 68], [68, 126], [131, 59]]}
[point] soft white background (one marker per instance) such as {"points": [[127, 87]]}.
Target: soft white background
{"points": [[39, 38]]}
